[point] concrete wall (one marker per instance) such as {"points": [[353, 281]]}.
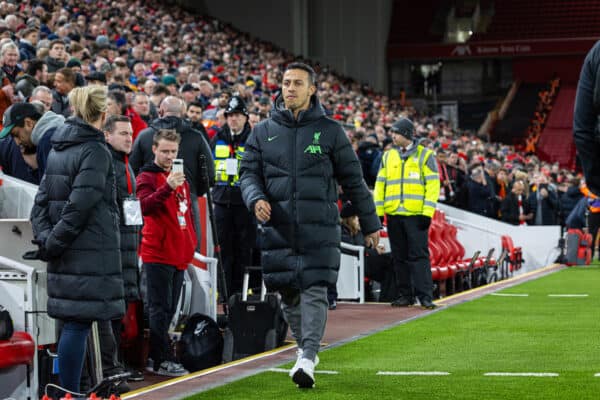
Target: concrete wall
{"points": [[350, 35]]}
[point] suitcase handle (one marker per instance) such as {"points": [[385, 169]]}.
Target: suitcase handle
{"points": [[245, 284]]}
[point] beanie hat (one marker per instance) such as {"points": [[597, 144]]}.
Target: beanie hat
{"points": [[403, 127]]}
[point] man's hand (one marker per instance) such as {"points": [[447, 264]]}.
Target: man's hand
{"points": [[175, 179], [262, 210], [372, 240], [544, 192]]}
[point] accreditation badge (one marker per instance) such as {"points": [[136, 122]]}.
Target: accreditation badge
{"points": [[231, 166], [132, 211]]}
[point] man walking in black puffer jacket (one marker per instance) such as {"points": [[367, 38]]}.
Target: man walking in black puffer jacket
{"points": [[289, 178]]}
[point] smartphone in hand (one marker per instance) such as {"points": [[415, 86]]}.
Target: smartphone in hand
{"points": [[177, 165]]}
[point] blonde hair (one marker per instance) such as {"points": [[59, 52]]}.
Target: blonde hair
{"points": [[88, 102]]}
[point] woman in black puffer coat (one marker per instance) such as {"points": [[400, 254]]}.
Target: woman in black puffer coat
{"points": [[75, 222]]}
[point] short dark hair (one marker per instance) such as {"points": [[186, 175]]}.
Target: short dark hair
{"points": [[166, 134], [160, 89], [195, 104], [312, 75], [68, 74], [118, 96], [34, 66], [112, 120], [55, 42]]}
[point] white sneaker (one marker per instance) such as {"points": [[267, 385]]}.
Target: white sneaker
{"points": [[304, 376], [299, 354], [170, 368]]}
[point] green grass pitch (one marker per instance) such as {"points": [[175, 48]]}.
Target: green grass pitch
{"points": [[536, 333]]}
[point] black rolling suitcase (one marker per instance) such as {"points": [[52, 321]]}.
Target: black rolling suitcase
{"points": [[256, 324]]}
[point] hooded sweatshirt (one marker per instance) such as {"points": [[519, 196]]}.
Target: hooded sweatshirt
{"points": [[41, 137]]}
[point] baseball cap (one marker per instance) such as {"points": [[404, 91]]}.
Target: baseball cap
{"points": [[15, 114]]}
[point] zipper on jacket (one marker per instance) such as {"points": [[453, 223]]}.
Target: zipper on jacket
{"points": [[294, 250], [402, 182]]}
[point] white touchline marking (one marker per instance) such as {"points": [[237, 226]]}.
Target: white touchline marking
{"points": [[568, 295], [536, 374], [283, 370], [597, 375], [415, 373], [509, 294]]}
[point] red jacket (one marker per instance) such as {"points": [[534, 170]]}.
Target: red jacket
{"points": [[164, 240], [137, 123]]}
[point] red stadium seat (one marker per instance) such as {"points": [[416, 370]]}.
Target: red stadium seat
{"points": [[18, 350]]}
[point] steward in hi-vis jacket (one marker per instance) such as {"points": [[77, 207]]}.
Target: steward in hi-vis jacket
{"points": [[407, 190]]}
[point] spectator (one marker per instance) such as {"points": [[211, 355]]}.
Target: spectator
{"points": [[194, 115], [253, 118], [42, 95], [569, 199], [39, 70], [32, 130], [543, 202], [479, 193], [27, 44], [515, 208], [117, 105], [55, 60], [168, 243], [74, 221], [64, 82], [10, 58], [292, 165], [141, 105]]}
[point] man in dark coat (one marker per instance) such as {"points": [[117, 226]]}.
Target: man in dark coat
{"points": [[543, 203], [193, 149], [585, 119], [515, 208], [119, 137], [75, 222], [289, 175]]}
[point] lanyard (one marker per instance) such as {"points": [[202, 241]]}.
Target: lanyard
{"points": [[129, 188]]}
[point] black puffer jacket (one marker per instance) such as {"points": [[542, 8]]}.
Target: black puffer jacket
{"points": [[191, 147], [586, 123], [129, 233], [76, 216], [296, 166]]}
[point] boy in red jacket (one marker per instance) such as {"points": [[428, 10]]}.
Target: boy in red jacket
{"points": [[168, 244]]}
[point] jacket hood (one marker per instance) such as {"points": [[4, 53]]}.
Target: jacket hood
{"points": [[75, 131], [48, 121], [171, 122], [152, 167], [285, 117]]}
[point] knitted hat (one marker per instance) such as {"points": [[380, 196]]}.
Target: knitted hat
{"points": [[403, 127]]}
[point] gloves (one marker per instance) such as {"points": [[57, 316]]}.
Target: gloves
{"points": [[39, 254]]}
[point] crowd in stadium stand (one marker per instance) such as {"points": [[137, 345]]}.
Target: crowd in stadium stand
{"points": [[144, 52]]}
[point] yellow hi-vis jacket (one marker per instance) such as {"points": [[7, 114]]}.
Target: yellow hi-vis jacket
{"points": [[407, 184]]}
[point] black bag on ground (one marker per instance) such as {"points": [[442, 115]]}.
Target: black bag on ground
{"points": [[201, 343], [256, 324]]}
